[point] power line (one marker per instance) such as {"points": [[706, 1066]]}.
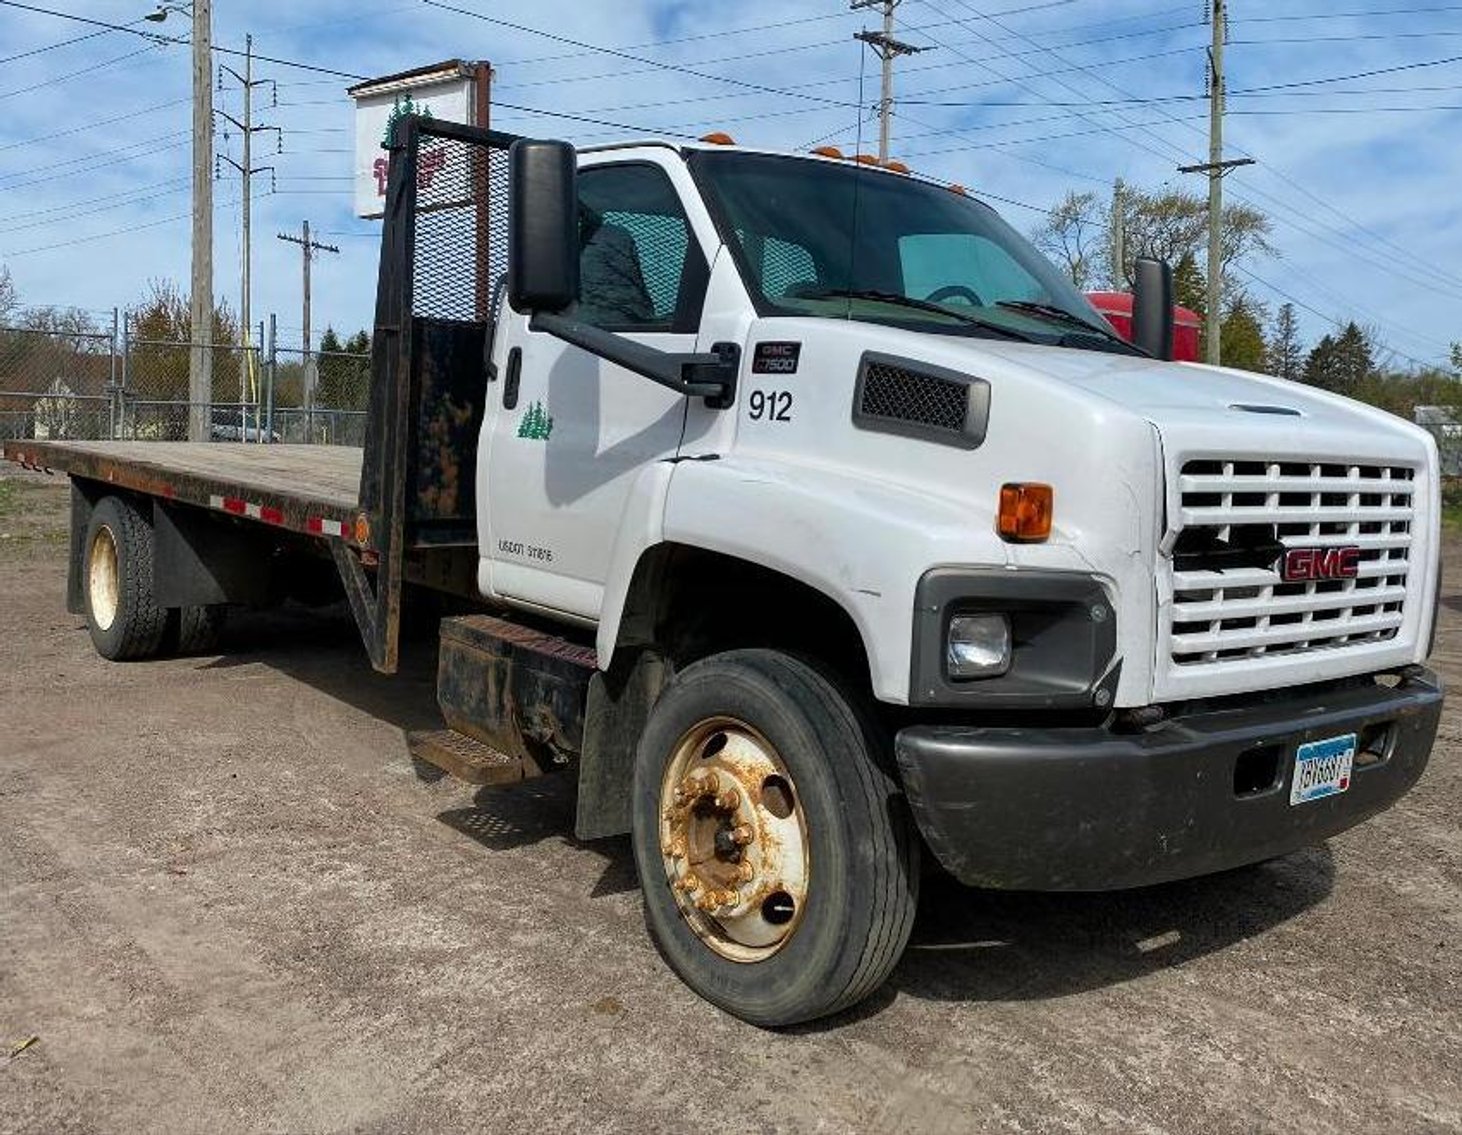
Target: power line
{"points": [[59, 170], [616, 53], [107, 235], [1330, 319], [67, 77], [54, 46], [1357, 75], [93, 125], [164, 39]]}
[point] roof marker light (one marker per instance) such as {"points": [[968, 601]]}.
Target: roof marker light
{"points": [[718, 138]]}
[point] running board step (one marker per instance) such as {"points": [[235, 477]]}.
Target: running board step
{"points": [[459, 755]]}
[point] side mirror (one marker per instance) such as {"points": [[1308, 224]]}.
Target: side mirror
{"points": [[1152, 308], [543, 226]]}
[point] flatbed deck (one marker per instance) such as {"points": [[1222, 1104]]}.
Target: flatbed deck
{"points": [[312, 489]]}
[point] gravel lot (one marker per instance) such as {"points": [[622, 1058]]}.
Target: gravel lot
{"points": [[228, 904]]}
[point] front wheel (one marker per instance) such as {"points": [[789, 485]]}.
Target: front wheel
{"points": [[777, 858]]}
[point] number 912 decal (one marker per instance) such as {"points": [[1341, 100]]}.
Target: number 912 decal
{"points": [[770, 405]]}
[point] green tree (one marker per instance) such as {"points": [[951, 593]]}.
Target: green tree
{"points": [[1190, 290], [1241, 337], [160, 330], [1286, 356], [344, 372], [1344, 363], [1455, 358]]}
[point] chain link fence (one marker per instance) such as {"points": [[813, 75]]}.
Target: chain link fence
{"points": [[89, 385]]}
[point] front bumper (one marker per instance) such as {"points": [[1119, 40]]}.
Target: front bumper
{"points": [[1090, 809]]}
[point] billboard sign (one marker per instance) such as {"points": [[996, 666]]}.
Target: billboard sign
{"points": [[455, 91]]}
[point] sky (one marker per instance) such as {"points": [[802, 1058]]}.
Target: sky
{"points": [[1351, 109]]}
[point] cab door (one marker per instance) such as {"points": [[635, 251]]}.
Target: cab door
{"points": [[573, 431]]}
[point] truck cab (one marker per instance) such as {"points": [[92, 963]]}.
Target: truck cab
{"points": [[1122, 620]]}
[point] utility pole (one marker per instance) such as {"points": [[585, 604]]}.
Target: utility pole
{"points": [[308, 248], [200, 360], [887, 49], [246, 168], [1215, 168]]}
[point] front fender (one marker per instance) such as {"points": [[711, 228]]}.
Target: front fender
{"points": [[862, 544]]}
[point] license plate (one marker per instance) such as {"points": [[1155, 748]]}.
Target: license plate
{"points": [[1322, 768]]}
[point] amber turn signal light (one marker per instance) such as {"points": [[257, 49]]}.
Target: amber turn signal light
{"points": [[1025, 512]]}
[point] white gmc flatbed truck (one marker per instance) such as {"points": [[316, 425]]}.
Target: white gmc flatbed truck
{"points": [[810, 519]]}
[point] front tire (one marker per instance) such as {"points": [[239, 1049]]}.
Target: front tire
{"points": [[121, 613], [779, 865]]}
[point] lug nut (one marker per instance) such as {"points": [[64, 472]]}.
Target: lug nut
{"points": [[745, 871], [729, 799], [741, 834]]}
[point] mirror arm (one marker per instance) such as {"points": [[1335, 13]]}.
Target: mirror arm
{"points": [[710, 376]]}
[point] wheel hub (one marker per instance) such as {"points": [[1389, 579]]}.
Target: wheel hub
{"points": [[734, 841], [102, 578]]}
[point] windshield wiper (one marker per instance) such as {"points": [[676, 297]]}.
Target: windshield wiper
{"points": [[1061, 315], [917, 305]]}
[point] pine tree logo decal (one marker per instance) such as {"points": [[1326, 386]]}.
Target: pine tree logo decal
{"points": [[536, 424], [399, 110]]}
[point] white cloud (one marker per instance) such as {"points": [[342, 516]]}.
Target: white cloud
{"points": [[1392, 175]]}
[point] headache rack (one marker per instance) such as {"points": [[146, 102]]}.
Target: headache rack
{"points": [[443, 263]]}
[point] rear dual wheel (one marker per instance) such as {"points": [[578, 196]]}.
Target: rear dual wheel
{"points": [[121, 609], [777, 859]]}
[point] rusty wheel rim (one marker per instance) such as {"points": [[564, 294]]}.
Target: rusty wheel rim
{"points": [[102, 582], [733, 840]]}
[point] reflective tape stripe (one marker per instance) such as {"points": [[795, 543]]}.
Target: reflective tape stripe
{"points": [[236, 506]]}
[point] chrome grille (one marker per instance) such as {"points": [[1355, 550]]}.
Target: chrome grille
{"points": [[1237, 517]]}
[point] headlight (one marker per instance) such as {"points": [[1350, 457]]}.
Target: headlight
{"points": [[978, 646]]}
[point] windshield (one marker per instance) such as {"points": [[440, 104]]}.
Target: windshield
{"points": [[833, 239]]}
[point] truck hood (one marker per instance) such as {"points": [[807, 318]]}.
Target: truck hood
{"points": [[1219, 409]]}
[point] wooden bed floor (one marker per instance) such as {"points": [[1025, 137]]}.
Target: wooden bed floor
{"points": [[326, 473]]}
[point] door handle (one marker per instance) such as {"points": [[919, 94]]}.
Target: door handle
{"points": [[510, 383]]}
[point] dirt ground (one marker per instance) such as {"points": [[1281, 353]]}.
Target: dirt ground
{"points": [[228, 904]]}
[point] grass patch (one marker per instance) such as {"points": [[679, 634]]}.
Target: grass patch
{"points": [[1452, 503], [8, 495]]}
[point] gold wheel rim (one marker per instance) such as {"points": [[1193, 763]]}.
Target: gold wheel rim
{"points": [[733, 840], [103, 580]]}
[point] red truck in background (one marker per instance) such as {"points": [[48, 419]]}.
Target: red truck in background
{"points": [[1116, 308]]}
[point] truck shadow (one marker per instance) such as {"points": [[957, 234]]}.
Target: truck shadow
{"points": [[516, 815], [967, 945], [334, 663], [321, 648], [971, 945]]}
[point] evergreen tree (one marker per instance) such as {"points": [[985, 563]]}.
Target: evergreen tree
{"points": [[1241, 337], [1342, 364], [1286, 358], [1190, 290]]}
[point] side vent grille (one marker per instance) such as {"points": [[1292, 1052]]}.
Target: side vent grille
{"points": [[918, 400]]}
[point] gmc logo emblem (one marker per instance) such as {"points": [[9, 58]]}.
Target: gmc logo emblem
{"points": [[1303, 565]]}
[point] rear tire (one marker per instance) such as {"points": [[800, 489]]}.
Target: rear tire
{"points": [[121, 612], [194, 630], [747, 754]]}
